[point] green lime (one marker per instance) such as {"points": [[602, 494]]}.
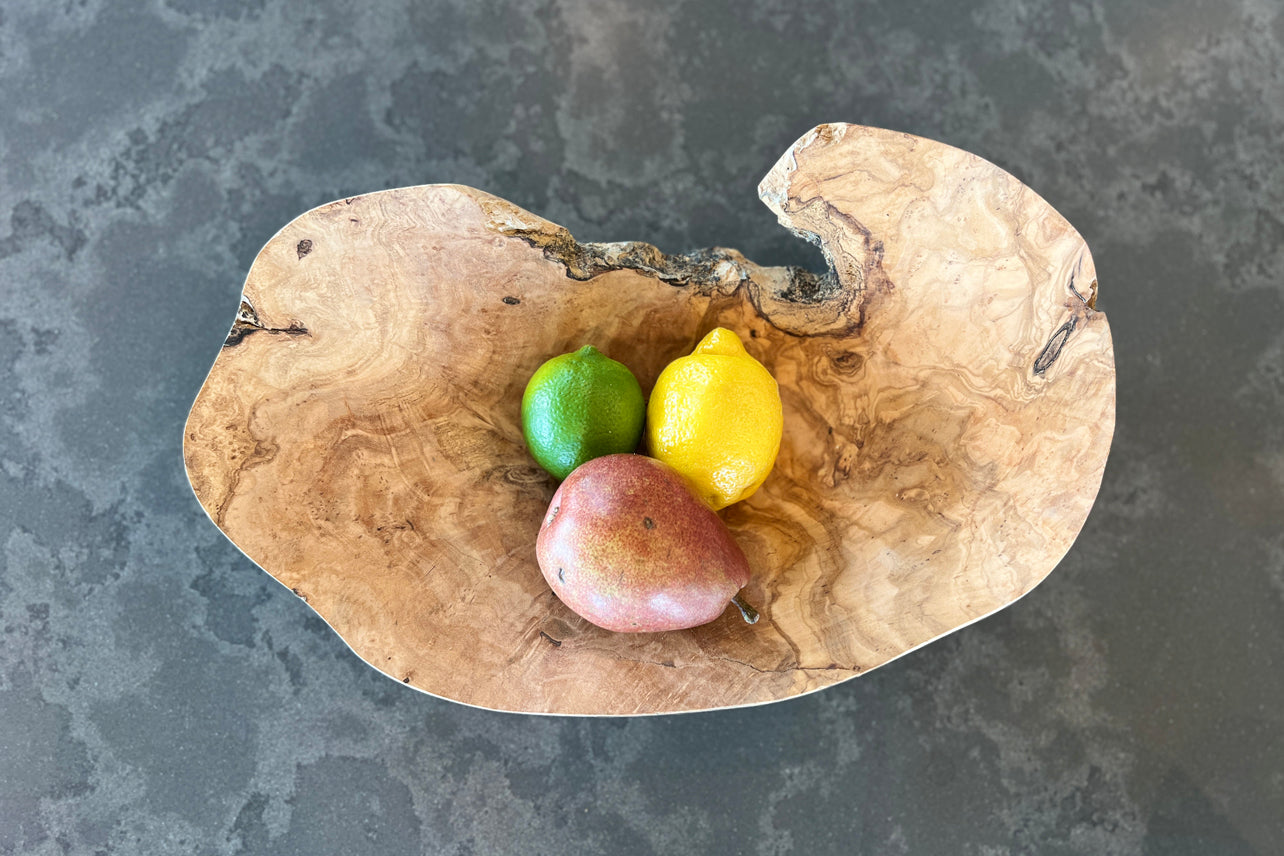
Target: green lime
{"points": [[581, 406]]}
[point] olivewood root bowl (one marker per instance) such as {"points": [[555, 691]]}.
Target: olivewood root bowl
{"points": [[948, 392]]}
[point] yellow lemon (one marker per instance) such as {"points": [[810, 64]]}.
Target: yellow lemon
{"points": [[715, 417]]}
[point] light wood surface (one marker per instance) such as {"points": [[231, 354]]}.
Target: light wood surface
{"points": [[948, 394]]}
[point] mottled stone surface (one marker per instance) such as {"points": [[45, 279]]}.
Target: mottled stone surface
{"points": [[160, 694]]}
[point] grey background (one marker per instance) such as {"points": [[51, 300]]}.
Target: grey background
{"points": [[160, 694]]}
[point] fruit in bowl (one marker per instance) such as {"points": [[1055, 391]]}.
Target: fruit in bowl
{"points": [[626, 545], [715, 417], [633, 544], [580, 406]]}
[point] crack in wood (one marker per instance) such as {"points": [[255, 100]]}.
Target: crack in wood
{"points": [[1052, 350], [247, 323], [832, 667], [1091, 300]]}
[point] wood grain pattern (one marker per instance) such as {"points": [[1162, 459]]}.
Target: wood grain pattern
{"points": [[949, 405]]}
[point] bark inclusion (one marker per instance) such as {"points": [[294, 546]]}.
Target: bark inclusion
{"points": [[708, 271], [247, 322]]}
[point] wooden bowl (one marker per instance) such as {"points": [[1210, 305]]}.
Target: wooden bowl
{"points": [[949, 403]]}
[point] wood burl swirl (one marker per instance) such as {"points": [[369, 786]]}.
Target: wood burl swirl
{"points": [[948, 390]]}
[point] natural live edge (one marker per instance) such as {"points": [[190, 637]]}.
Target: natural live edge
{"points": [[792, 299], [705, 270]]}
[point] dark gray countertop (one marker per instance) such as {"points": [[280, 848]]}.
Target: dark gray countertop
{"points": [[160, 694]]}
